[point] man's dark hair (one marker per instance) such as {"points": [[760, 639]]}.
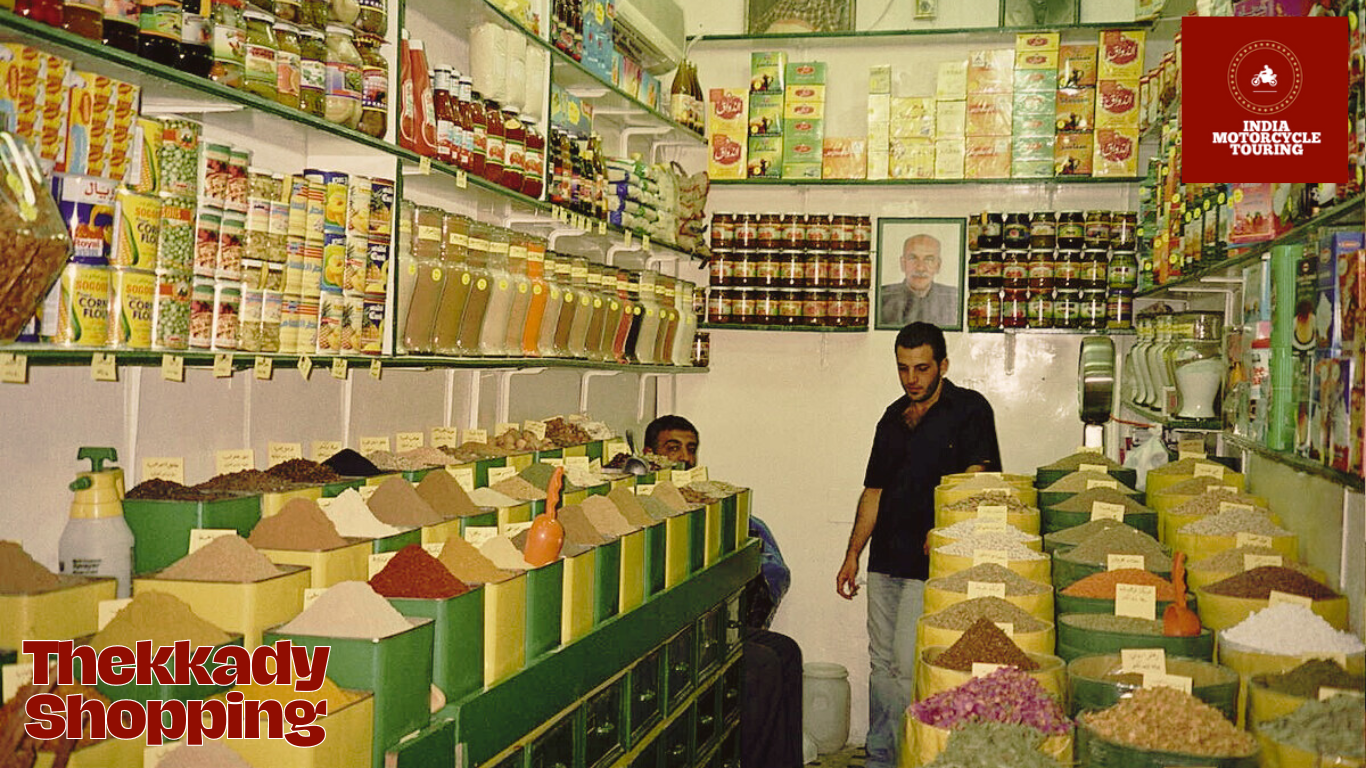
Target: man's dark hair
{"points": [[666, 423], [918, 334]]}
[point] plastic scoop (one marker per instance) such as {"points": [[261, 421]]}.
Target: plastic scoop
{"points": [[1178, 620], [545, 538]]}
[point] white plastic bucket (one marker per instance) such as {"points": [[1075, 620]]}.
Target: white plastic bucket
{"points": [[825, 705]]}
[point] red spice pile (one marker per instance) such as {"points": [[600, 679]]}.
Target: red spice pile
{"points": [[414, 573]]}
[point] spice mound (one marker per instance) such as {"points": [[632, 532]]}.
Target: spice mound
{"points": [[1306, 679], [299, 525], [961, 616], [1004, 696], [1078, 482], [1084, 501], [1258, 584], [166, 490], [1105, 622], [1079, 458], [1235, 561], [1168, 720], [967, 529], [251, 480], [1016, 584], [1188, 467], [466, 563], [21, 574], [352, 517], [1102, 585], [397, 503], [445, 495], [1211, 503], [989, 745], [158, 617], [1071, 537], [226, 558], [984, 643], [971, 503], [210, 755], [1095, 550], [1003, 541], [1332, 728], [349, 463], [304, 471], [413, 573], [564, 433], [1234, 521], [348, 609], [1290, 630]]}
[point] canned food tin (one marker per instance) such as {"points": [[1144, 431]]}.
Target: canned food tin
{"points": [[336, 186], [231, 233], [330, 311], [202, 298], [207, 233], [358, 207], [357, 263], [82, 306], [381, 208], [137, 230], [175, 247], [334, 261], [377, 267], [132, 294], [353, 320], [249, 326], [271, 319], [372, 328], [171, 312]]}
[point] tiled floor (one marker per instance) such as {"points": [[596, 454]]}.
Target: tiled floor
{"points": [[852, 756]]}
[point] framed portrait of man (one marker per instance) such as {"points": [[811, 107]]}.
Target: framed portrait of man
{"points": [[773, 17], [920, 272]]}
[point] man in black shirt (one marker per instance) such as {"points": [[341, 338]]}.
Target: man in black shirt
{"points": [[936, 428]]}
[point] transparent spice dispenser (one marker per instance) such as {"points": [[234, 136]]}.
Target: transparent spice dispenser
{"points": [[1198, 364]]}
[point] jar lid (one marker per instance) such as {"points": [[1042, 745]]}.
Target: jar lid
{"points": [[255, 15], [285, 26], [311, 32], [342, 29]]}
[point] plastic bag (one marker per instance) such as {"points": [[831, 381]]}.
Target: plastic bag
{"points": [[1148, 456]]}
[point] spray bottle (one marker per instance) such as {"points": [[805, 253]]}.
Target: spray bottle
{"points": [[96, 540]]}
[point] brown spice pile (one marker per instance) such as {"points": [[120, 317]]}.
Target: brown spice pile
{"points": [[226, 558], [397, 503], [445, 495], [984, 643], [21, 574], [1258, 584], [300, 525], [304, 471], [465, 561], [158, 617]]}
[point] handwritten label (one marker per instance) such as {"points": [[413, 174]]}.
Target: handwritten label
{"points": [[311, 594], [376, 370], [1259, 561], [408, 441], [424, 166], [172, 368], [1163, 680], [699, 474], [576, 462], [107, 609], [1192, 445], [227, 462], [1099, 469], [1101, 510], [1111, 484], [1210, 470], [201, 536], [551, 461], [499, 474], [1006, 627], [325, 449], [375, 563], [103, 367], [989, 525], [602, 227], [279, 453], [992, 512], [366, 491], [462, 180], [445, 437], [995, 556], [1138, 661], [222, 365], [612, 447], [477, 436], [626, 239], [434, 549], [463, 475], [1325, 693], [512, 529], [536, 428], [1221, 489], [680, 477], [982, 669], [339, 368], [305, 366], [14, 676], [264, 368], [1285, 598], [504, 427], [978, 589], [1245, 539], [1231, 506], [1088, 449], [479, 534], [1136, 600], [374, 444], [13, 368], [1120, 562], [170, 468], [997, 491]]}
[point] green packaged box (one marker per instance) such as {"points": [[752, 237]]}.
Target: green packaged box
{"points": [[1035, 80], [766, 114], [801, 170], [766, 69], [1031, 169], [803, 144], [1042, 103], [765, 157], [806, 73], [1032, 148], [1031, 125]]}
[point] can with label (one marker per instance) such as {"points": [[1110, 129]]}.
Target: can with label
{"points": [[137, 230], [308, 326], [249, 327], [330, 311], [132, 294], [87, 207], [377, 267], [206, 241], [202, 296], [83, 306], [175, 247], [271, 303], [289, 325], [372, 327], [333, 261], [171, 311], [334, 201]]}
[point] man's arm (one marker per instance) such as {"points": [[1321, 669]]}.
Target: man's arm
{"points": [[865, 518]]}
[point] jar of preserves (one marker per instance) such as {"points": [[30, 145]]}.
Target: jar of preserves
{"points": [[1122, 274], [701, 349], [720, 304], [1040, 310], [722, 231], [1067, 270], [984, 309], [374, 95], [991, 233], [287, 64], [789, 307], [1041, 270], [229, 43], [742, 306], [1093, 270], [745, 264], [863, 270], [343, 12], [817, 231], [791, 231], [985, 266], [1014, 270], [1015, 231], [863, 233], [813, 307], [312, 71], [1119, 310], [259, 75], [1097, 233], [765, 306], [1071, 230], [158, 30], [120, 25], [1015, 309], [841, 233], [1124, 231], [837, 309], [766, 266], [313, 14], [1043, 230], [974, 232], [344, 77], [817, 269], [1092, 309], [859, 310], [721, 269], [746, 231], [372, 17], [791, 269], [84, 18], [768, 231], [1067, 309], [842, 270], [287, 10]]}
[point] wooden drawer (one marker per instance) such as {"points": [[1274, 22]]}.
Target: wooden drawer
{"points": [[646, 682], [649, 757], [730, 693], [678, 742], [733, 623], [603, 730], [710, 640], [555, 748], [708, 707], [680, 666]]}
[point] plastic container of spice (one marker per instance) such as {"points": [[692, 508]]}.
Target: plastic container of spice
{"points": [[344, 77], [312, 71], [259, 76]]}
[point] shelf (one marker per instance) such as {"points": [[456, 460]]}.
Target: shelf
{"points": [[781, 328], [1050, 181], [1057, 331], [1349, 211], [968, 34], [1172, 422], [1289, 459], [611, 102]]}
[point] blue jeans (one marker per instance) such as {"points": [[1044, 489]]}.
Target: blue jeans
{"points": [[894, 607]]}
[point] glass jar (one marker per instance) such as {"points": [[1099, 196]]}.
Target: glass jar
{"points": [[287, 63], [813, 307], [372, 17], [722, 230], [259, 75], [863, 270], [84, 18], [1119, 310], [1092, 309], [984, 309], [721, 268], [1040, 310], [343, 12], [816, 267], [701, 349], [859, 310], [1015, 309], [1067, 270], [987, 269], [842, 233], [120, 26], [374, 97], [990, 236], [789, 307], [720, 305], [1123, 272], [1067, 309], [1043, 230], [1015, 231], [229, 41], [817, 231], [1124, 231], [1071, 230], [791, 269], [288, 11], [344, 77], [1097, 233], [742, 306], [863, 233], [766, 267], [314, 13], [745, 268], [1093, 270], [746, 231], [1014, 270], [159, 32], [843, 270], [1041, 270], [768, 231], [791, 231], [837, 309], [312, 71]]}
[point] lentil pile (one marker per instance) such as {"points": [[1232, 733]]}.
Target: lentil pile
{"points": [[1332, 728], [1077, 482], [1168, 720], [1016, 584], [166, 490], [1083, 457], [304, 471], [1004, 696], [1003, 541], [967, 529], [989, 745], [21, 574], [348, 609], [226, 558], [352, 517], [1123, 540], [1209, 502], [299, 525], [1102, 585], [984, 643], [413, 573], [158, 617], [1104, 622], [1082, 502], [1258, 584], [1306, 679], [1290, 630], [1235, 560], [961, 616], [971, 503], [1233, 522]]}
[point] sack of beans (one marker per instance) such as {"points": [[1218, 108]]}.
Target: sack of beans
{"points": [[992, 484], [1231, 562], [1051, 473], [1158, 727], [961, 555]]}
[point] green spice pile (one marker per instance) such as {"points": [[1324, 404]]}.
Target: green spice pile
{"points": [[1083, 502], [1211, 502], [1259, 583], [1168, 720], [1104, 622], [1096, 549], [993, 745], [984, 643], [1078, 482], [1079, 458], [1332, 728], [961, 616], [1306, 679], [1071, 537]]}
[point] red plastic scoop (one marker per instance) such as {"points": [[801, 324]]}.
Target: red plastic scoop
{"points": [[1178, 620], [545, 539]]}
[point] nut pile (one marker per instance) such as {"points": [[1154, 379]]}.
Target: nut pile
{"points": [[984, 643], [564, 434], [1168, 720]]}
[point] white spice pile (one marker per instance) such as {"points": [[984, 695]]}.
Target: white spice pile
{"points": [[1291, 630], [353, 517], [1233, 522], [1003, 541], [964, 529], [349, 609]]}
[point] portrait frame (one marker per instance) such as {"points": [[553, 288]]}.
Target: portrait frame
{"points": [[892, 233], [767, 16]]}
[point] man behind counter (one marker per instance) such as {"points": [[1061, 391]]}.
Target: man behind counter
{"points": [[935, 428], [771, 712]]}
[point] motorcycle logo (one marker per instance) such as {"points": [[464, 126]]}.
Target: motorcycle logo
{"points": [[1265, 77]]}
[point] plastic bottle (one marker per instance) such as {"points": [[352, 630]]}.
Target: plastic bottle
{"points": [[495, 147], [564, 269], [535, 313], [455, 260], [648, 332], [521, 294], [446, 141], [611, 320], [465, 109], [428, 282], [554, 298], [628, 311], [97, 540], [578, 332], [596, 281], [479, 128], [476, 308], [493, 336]]}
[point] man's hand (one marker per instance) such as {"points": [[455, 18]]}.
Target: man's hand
{"points": [[845, 582]]}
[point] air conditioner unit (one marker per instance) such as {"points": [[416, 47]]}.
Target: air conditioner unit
{"points": [[650, 32]]}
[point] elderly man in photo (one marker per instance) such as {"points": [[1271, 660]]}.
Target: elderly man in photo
{"points": [[919, 298]]}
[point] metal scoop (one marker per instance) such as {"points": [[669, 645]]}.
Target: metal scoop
{"points": [[634, 465]]}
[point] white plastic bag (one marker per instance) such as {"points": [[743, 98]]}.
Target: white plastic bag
{"points": [[1148, 456]]}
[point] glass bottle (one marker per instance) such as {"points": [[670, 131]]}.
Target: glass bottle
{"points": [[554, 300], [259, 58], [229, 39], [481, 291], [446, 141], [628, 313], [288, 59], [159, 31], [429, 279], [514, 152], [120, 28], [536, 308], [479, 125], [493, 336], [312, 71], [344, 77], [374, 95], [583, 314], [465, 111], [521, 293], [533, 180], [569, 304], [612, 318], [455, 246], [494, 146], [196, 37]]}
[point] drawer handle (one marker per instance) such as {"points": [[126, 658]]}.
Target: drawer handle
{"points": [[732, 694], [706, 720], [646, 697], [679, 751], [605, 729], [681, 668]]}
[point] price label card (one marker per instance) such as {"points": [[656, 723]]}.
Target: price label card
{"points": [[477, 436], [1210, 470], [172, 368], [227, 462], [1111, 484], [279, 453], [1006, 627], [978, 589], [1231, 506], [462, 180], [1136, 600], [503, 427], [312, 594], [576, 462], [536, 428], [14, 676], [552, 462], [376, 370], [463, 475], [478, 534], [170, 468], [374, 444], [1183, 455], [445, 437], [992, 512], [107, 609], [1120, 562], [375, 563], [103, 367], [325, 449], [1285, 598], [201, 536], [1101, 510], [499, 474], [339, 368], [13, 369], [699, 474], [613, 447], [645, 489], [1325, 693], [222, 365], [996, 556], [1138, 661], [512, 529], [434, 549], [1192, 445], [264, 368], [626, 239], [982, 669], [1097, 468], [408, 441], [602, 228], [1258, 561], [997, 491], [305, 366], [1163, 680], [1245, 539], [424, 166], [1221, 489], [989, 525], [645, 242]]}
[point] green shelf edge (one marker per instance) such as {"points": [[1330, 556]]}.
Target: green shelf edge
{"points": [[1200, 425], [1047, 181], [491, 720], [1308, 466], [1057, 331], [780, 328]]}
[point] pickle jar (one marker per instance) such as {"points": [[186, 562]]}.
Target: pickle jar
{"points": [[374, 98], [1071, 231], [1015, 231], [259, 76], [344, 75], [229, 42], [312, 71], [343, 12], [287, 61], [372, 17], [287, 11], [314, 14]]}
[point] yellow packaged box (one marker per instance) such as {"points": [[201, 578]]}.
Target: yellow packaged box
{"points": [[950, 118], [1072, 154], [248, 607], [990, 71], [1117, 104], [913, 117], [843, 158], [988, 115], [726, 111], [1076, 66], [726, 156], [880, 163], [1041, 61], [69, 611], [912, 159], [952, 80], [1116, 152], [986, 157], [1120, 55], [948, 158], [804, 110], [879, 136], [1037, 41]]}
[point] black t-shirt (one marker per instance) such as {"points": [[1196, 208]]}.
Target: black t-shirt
{"points": [[906, 464]]}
